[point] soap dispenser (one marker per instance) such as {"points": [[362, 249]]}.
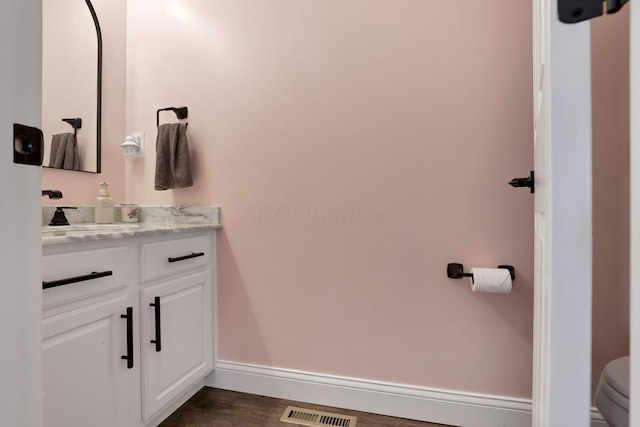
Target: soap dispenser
{"points": [[104, 206]]}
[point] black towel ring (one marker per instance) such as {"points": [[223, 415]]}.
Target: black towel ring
{"points": [[76, 123], [181, 113]]}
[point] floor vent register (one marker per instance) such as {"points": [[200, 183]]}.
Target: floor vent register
{"points": [[311, 418]]}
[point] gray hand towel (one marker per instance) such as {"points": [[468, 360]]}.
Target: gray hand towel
{"points": [[53, 155], [173, 168], [64, 151], [71, 160]]}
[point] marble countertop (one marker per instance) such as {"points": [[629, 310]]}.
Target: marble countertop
{"points": [[89, 232], [172, 220]]}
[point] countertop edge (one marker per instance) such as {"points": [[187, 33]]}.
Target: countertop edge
{"points": [[141, 229]]}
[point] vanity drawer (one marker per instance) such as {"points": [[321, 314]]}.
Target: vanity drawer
{"points": [[173, 256], [72, 276]]}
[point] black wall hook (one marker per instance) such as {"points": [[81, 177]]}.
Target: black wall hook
{"points": [[181, 113], [456, 271]]}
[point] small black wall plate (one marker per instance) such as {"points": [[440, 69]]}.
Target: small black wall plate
{"points": [[455, 270]]}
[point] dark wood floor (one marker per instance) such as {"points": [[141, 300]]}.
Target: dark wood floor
{"points": [[212, 407]]}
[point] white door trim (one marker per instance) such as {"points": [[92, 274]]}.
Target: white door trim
{"points": [[634, 75], [562, 302]]}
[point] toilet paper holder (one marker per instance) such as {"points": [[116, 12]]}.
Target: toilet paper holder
{"points": [[456, 271]]}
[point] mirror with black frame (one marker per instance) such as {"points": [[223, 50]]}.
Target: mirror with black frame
{"points": [[71, 85]]}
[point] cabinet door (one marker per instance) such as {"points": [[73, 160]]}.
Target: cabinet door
{"points": [[84, 373], [186, 335]]}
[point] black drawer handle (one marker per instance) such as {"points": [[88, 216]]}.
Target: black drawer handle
{"points": [[129, 356], [61, 282], [182, 258], [158, 341]]}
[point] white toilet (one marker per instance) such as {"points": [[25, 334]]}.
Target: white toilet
{"points": [[612, 395]]}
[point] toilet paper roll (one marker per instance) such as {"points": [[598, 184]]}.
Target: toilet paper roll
{"points": [[492, 280]]}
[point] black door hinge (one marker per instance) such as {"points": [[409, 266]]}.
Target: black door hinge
{"points": [[572, 11]]}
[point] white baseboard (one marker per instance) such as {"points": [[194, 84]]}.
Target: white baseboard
{"points": [[398, 400]]}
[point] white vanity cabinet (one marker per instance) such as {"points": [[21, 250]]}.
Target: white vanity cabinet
{"points": [[179, 352], [176, 317], [85, 381], [101, 367], [84, 337]]}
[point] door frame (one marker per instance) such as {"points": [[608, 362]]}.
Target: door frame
{"points": [[563, 256], [634, 257]]}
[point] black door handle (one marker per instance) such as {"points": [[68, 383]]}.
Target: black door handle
{"points": [[93, 275], [158, 341], [129, 355], [530, 182], [182, 258]]}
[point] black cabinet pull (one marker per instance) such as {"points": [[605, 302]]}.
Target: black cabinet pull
{"points": [[61, 282], [129, 356], [158, 340], [182, 258]]}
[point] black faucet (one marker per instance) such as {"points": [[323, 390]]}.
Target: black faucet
{"points": [[59, 217], [53, 194]]}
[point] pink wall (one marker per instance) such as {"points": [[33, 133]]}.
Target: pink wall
{"points": [[355, 148], [82, 188], [610, 71]]}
